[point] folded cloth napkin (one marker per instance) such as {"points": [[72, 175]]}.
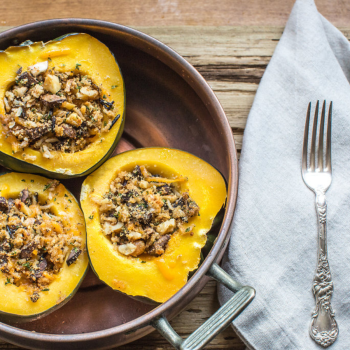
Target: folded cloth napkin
{"points": [[273, 245]]}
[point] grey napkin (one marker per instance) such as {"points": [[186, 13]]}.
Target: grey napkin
{"points": [[274, 235]]}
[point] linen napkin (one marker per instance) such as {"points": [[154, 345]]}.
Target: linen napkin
{"points": [[273, 245]]}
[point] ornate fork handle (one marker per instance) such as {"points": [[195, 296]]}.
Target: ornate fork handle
{"points": [[324, 328]]}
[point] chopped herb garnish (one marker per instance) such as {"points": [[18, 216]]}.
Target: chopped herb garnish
{"points": [[91, 217], [114, 86], [47, 186], [45, 290], [8, 281], [143, 262], [77, 66], [31, 180], [188, 229], [23, 180]]}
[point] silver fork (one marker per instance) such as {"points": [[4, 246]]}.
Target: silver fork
{"points": [[317, 175]]}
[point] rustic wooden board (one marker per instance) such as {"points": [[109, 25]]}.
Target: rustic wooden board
{"points": [[232, 60], [168, 12]]}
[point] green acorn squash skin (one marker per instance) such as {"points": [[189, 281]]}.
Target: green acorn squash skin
{"points": [[14, 162]]}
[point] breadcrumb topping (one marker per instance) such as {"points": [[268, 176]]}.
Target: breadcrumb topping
{"points": [[142, 211], [48, 110]]}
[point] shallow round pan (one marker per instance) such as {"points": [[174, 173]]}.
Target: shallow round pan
{"points": [[168, 103]]}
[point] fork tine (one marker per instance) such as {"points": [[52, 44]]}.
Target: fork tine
{"points": [[320, 138], [313, 139], [329, 137], [306, 135]]}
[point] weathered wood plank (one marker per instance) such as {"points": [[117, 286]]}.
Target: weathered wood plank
{"points": [[168, 12], [225, 45]]}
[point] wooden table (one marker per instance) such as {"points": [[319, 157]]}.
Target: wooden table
{"points": [[230, 42]]}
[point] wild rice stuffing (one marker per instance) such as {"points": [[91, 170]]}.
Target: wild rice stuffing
{"points": [[141, 211], [34, 243], [48, 110]]}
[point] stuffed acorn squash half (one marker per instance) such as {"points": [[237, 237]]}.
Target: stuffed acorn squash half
{"points": [[61, 106], [43, 255], [148, 213]]}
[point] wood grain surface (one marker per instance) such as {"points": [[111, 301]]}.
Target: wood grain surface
{"points": [[168, 12], [232, 59]]}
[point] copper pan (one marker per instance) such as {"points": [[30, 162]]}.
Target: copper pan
{"points": [[169, 104]]}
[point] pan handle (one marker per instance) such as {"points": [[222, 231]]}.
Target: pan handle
{"points": [[216, 323]]}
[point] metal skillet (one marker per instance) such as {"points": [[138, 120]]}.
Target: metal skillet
{"points": [[168, 104]]}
